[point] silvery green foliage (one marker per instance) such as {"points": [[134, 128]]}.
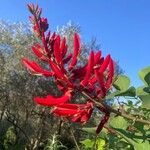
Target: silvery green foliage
{"points": [[54, 144], [18, 87]]}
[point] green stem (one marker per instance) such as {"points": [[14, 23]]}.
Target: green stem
{"points": [[113, 131], [94, 145]]}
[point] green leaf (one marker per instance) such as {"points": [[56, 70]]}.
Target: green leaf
{"points": [[122, 83], [129, 92], [144, 75], [91, 130], [100, 143], [144, 95], [102, 134], [142, 145], [112, 95], [87, 143], [137, 139], [143, 91], [118, 122], [122, 145], [145, 101], [127, 136], [139, 126]]}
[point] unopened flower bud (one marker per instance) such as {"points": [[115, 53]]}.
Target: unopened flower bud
{"points": [[32, 19], [30, 8], [43, 24]]}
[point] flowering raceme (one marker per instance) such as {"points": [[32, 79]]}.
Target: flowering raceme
{"points": [[94, 79]]}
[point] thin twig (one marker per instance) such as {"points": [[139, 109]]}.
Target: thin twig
{"points": [[75, 141], [118, 133], [95, 140]]}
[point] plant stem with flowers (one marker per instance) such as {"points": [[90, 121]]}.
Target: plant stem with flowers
{"points": [[94, 80]]}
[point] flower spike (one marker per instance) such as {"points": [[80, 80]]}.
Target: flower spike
{"points": [[93, 79], [76, 50]]}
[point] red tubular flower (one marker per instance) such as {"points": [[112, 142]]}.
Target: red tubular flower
{"points": [[103, 122], [43, 24], [39, 52], [76, 50], [53, 37], [53, 101], [32, 19], [46, 49], [60, 85], [104, 64], [77, 112], [100, 78], [97, 58], [83, 117], [30, 7], [35, 68], [79, 73], [63, 47], [36, 29], [59, 74], [48, 37], [93, 80], [89, 69], [67, 59], [110, 74], [57, 51]]}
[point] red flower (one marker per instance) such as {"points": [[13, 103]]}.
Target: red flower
{"points": [[38, 51], [63, 47], [35, 68], [94, 78], [76, 50], [104, 64], [43, 24], [76, 112], [103, 122], [97, 58], [89, 69], [110, 74], [57, 71], [50, 100], [67, 59], [57, 51]]}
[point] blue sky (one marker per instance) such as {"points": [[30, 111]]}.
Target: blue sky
{"points": [[122, 27]]}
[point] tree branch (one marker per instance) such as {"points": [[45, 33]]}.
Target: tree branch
{"points": [[112, 110]]}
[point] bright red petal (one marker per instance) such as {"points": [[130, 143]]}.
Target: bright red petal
{"points": [[64, 112], [76, 50], [35, 68], [57, 51], [67, 59], [38, 52], [97, 58], [110, 75], [53, 101], [105, 64], [89, 69]]}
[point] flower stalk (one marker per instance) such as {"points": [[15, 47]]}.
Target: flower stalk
{"points": [[94, 80]]}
